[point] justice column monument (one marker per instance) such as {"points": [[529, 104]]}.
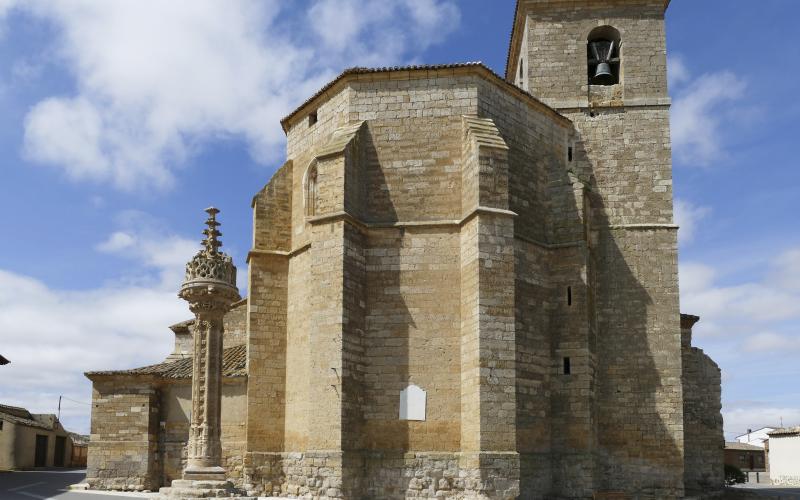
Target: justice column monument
{"points": [[210, 289]]}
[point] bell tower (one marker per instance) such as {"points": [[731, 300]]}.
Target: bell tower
{"points": [[590, 53], [602, 64]]}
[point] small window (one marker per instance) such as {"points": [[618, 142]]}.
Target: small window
{"points": [[311, 192], [569, 295], [604, 56], [521, 70], [312, 118], [567, 366], [569, 154], [1, 425]]}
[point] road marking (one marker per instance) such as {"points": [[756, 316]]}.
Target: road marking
{"points": [[35, 496], [26, 486]]}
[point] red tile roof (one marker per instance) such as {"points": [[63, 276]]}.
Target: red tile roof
{"points": [[234, 364]]}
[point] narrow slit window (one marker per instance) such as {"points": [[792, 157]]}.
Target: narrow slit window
{"points": [[569, 295], [569, 154], [567, 367], [311, 190], [312, 118]]}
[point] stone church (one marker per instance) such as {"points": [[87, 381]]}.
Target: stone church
{"points": [[461, 285]]}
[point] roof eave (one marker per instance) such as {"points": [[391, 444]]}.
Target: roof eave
{"points": [[355, 74]]}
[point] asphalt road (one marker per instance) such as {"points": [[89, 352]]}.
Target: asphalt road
{"points": [[750, 490], [46, 485]]}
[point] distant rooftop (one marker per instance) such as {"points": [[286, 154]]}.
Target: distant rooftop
{"points": [[736, 445], [21, 416], [785, 431], [3, 361], [755, 431]]}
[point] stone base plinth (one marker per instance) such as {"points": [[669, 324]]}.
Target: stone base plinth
{"points": [[195, 473], [188, 489]]}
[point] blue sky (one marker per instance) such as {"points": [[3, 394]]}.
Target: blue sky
{"points": [[122, 120]]}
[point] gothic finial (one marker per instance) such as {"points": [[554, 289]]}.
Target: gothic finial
{"points": [[209, 266], [211, 241]]}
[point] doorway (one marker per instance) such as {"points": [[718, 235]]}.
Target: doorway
{"points": [[61, 447], [40, 459]]}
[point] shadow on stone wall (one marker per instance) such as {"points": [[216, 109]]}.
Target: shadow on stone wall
{"points": [[638, 354]]}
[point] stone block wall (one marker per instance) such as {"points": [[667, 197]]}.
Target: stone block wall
{"points": [[266, 329], [412, 336], [704, 440], [640, 403], [235, 325], [140, 427], [174, 422], [124, 436]]}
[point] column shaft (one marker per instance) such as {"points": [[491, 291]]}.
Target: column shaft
{"points": [[204, 440]]}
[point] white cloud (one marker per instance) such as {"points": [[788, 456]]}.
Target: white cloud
{"points": [[756, 415], [695, 277], [750, 309], [677, 72], [687, 215], [156, 80], [787, 270], [749, 327], [698, 113], [52, 336], [372, 33], [118, 241], [771, 342], [741, 306], [345, 15], [67, 130], [157, 250], [434, 20]]}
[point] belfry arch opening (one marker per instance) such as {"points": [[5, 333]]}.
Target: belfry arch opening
{"points": [[604, 56]]}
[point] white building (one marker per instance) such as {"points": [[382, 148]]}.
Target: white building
{"points": [[783, 459], [755, 437]]}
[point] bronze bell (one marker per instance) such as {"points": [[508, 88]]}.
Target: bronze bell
{"points": [[603, 74], [603, 52]]}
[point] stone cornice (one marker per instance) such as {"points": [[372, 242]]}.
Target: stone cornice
{"points": [[640, 227], [282, 254], [362, 75], [346, 216]]}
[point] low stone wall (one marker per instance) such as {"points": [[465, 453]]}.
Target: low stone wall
{"points": [[702, 423], [122, 448], [384, 475]]}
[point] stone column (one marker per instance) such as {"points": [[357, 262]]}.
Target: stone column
{"points": [[210, 289], [204, 449]]}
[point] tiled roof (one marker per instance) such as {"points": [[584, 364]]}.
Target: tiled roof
{"points": [[511, 37], [428, 67], [234, 364], [735, 445], [79, 439], [786, 431], [20, 416]]}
